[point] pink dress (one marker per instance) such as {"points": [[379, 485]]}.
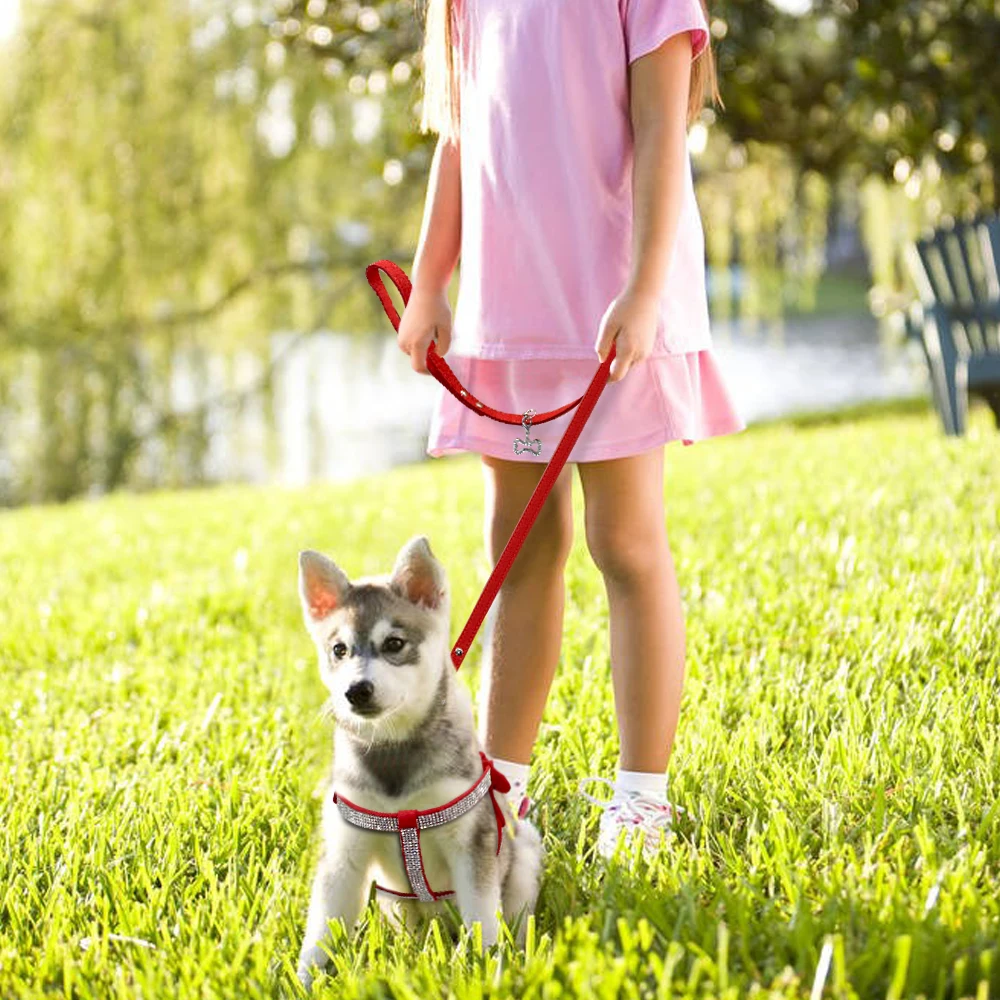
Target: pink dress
{"points": [[546, 167]]}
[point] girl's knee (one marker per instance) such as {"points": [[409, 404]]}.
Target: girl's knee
{"points": [[622, 553]]}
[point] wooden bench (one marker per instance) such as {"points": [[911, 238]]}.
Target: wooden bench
{"points": [[956, 271]]}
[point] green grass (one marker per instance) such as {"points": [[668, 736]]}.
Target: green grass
{"points": [[838, 751]]}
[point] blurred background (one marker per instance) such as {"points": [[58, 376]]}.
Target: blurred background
{"points": [[190, 191]]}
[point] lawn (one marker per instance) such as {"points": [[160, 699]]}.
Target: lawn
{"points": [[838, 753]]}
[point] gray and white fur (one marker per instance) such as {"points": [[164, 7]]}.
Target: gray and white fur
{"points": [[405, 739]]}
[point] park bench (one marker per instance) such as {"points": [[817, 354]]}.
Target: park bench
{"points": [[956, 270]]}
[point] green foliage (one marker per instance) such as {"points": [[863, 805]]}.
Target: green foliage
{"points": [[837, 755], [151, 187], [863, 85]]}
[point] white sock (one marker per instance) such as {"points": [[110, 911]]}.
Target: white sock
{"points": [[517, 775], [653, 783]]}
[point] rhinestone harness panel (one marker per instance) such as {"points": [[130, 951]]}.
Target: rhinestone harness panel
{"points": [[409, 822]]}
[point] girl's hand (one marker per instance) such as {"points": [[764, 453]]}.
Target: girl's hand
{"points": [[630, 322], [427, 317]]}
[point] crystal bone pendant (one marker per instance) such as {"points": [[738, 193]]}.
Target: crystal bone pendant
{"points": [[528, 443]]}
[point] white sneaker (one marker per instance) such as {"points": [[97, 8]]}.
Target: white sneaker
{"points": [[631, 813]]}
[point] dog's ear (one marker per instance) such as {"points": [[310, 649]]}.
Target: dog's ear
{"points": [[418, 576], [323, 585]]}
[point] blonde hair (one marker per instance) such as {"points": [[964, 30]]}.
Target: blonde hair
{"points": [[441, 112]]}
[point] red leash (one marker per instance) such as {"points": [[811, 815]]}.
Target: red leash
{"points": [[440, 369]]}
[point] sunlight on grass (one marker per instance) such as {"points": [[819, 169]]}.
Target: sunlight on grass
{"points": [[838, 753]]}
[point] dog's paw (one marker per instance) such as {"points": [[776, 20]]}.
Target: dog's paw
{"points": [[308, 962], [490, 931], [305, 977]]}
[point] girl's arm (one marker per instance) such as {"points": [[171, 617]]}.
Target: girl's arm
{"points": [[427, 315], [659, 83], [659, 101], [441, 233]]}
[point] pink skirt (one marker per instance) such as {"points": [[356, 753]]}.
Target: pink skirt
{"points": [[680, 397]]}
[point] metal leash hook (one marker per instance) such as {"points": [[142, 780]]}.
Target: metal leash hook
{"points": [[534, 445]]}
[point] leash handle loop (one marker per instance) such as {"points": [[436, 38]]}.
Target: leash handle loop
{"points": [[437, 365]]}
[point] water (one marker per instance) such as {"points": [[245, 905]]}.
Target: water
{"points": [[816, 364], [347, 408]]}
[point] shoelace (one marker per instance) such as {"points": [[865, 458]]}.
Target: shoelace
{"points": [[519, 810], [634, 807]]}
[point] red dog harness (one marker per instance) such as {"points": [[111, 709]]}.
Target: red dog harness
{"points": [[409, 822]]}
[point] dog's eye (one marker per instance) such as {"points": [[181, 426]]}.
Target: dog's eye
{"points": [[339, 649], [394, 644]]}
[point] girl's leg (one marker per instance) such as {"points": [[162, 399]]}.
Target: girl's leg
{"points": [[520, 660], [627, 539]]}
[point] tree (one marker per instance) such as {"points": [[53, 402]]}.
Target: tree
{"points": [[169, 183], [863, 86]]}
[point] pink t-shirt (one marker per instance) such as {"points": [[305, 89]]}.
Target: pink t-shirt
{"points": [[547, 152]]}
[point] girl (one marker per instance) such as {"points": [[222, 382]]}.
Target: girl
{"points": [[562, 177]]}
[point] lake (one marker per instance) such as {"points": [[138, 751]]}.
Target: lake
{"points": [[345, 407]]}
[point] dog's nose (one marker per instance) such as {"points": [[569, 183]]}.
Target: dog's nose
{"points": [[360, 694]]}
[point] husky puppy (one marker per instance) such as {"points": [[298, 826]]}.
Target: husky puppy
{"points": [[404, 739]]}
